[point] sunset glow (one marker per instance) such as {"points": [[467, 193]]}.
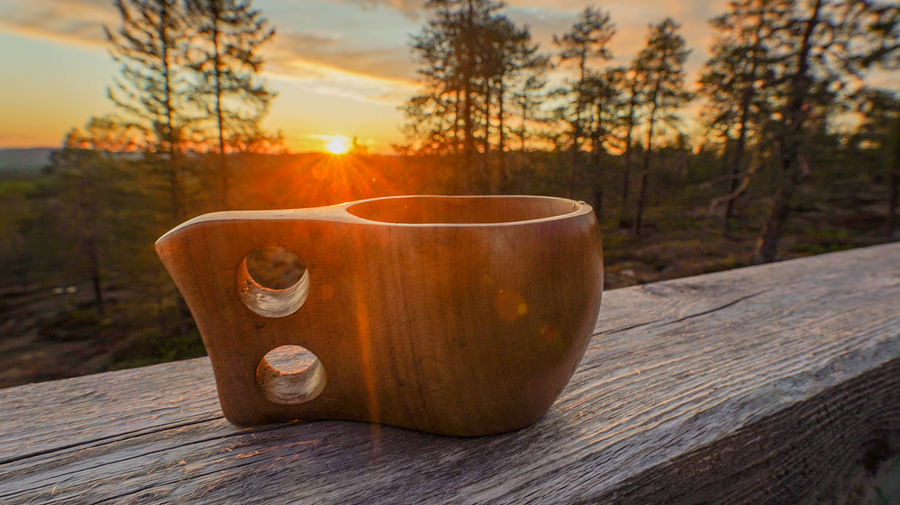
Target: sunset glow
{"points": [[338, 145], [336, 66]]}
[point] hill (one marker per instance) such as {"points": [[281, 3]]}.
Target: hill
{"points": [[24, 159]]}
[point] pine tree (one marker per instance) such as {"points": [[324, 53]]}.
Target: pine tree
{"points": [[733, 82], [471, 60], [527, 97], [587, 40], [819, 52], [604, 106], [633, 102], [153, 91], [511, 57], [225, 56], [455, 51], [882, 37], [92, 207], [879, 132], [660, 79]]}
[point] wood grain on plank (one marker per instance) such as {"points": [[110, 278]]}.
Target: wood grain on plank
{"points": [[764, 384]]}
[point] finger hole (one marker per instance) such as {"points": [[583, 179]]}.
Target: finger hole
{"points": [[290, 375], [273, 282]]}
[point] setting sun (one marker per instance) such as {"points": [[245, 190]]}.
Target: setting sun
{"points": [[338, 145]]}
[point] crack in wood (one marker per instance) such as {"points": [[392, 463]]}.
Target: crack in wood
{"points": [[109, 439], [716, 309], [234, 434], [165, 483], [626, 328], [683, 318]]}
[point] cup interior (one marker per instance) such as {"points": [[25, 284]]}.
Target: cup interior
{"points": [[462, 209]]}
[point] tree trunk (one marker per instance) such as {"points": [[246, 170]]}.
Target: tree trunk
{"points": [[576, 126], [767, 243], [645, 170], [468, 141], [456, 103], [576, 136], [522, 130], [94, 259], [728, 171], [791, 174], [729, 204], [626, 169], [501, 141], [169, 128], [894, 182], [486, 144], [220, 120], [573, 162], [599, 181], [738, 162]]}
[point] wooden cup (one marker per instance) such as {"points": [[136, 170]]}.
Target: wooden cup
{"points": [[457, 315]]}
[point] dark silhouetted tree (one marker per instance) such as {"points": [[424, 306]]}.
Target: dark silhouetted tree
{"points": [[660, 81], [819, 52], [527, 97], [153, 91], [603, 116], [587, 40], [882, 38], [734, 85], [473, 62], [225, 56], [633, 101], [95, 190], [514, 64]]}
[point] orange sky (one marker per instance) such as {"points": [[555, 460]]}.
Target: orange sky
{"points": [[340, 67]]}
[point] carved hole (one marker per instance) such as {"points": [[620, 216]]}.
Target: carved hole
{"points": [[290, 375], [273, 282]]}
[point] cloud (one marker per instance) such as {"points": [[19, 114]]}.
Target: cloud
{"points": [[346, 55], [333, 81], [70, 21], [411, 9], [326, 64], [546, 18], [334, 50]]}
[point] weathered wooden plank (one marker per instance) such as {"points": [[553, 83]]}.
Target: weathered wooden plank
{"points": [[773, 384], [825, 449]]}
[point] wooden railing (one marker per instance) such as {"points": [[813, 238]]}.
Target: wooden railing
{"points": [[770, 384]]}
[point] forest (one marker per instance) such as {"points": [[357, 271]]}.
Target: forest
{"points": [[787, 145]]}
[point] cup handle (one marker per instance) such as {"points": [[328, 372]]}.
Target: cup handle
{"points": [[240, 321]]}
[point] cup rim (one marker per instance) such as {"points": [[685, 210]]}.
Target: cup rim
{"points": [[339, 213], [576, 207]]}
